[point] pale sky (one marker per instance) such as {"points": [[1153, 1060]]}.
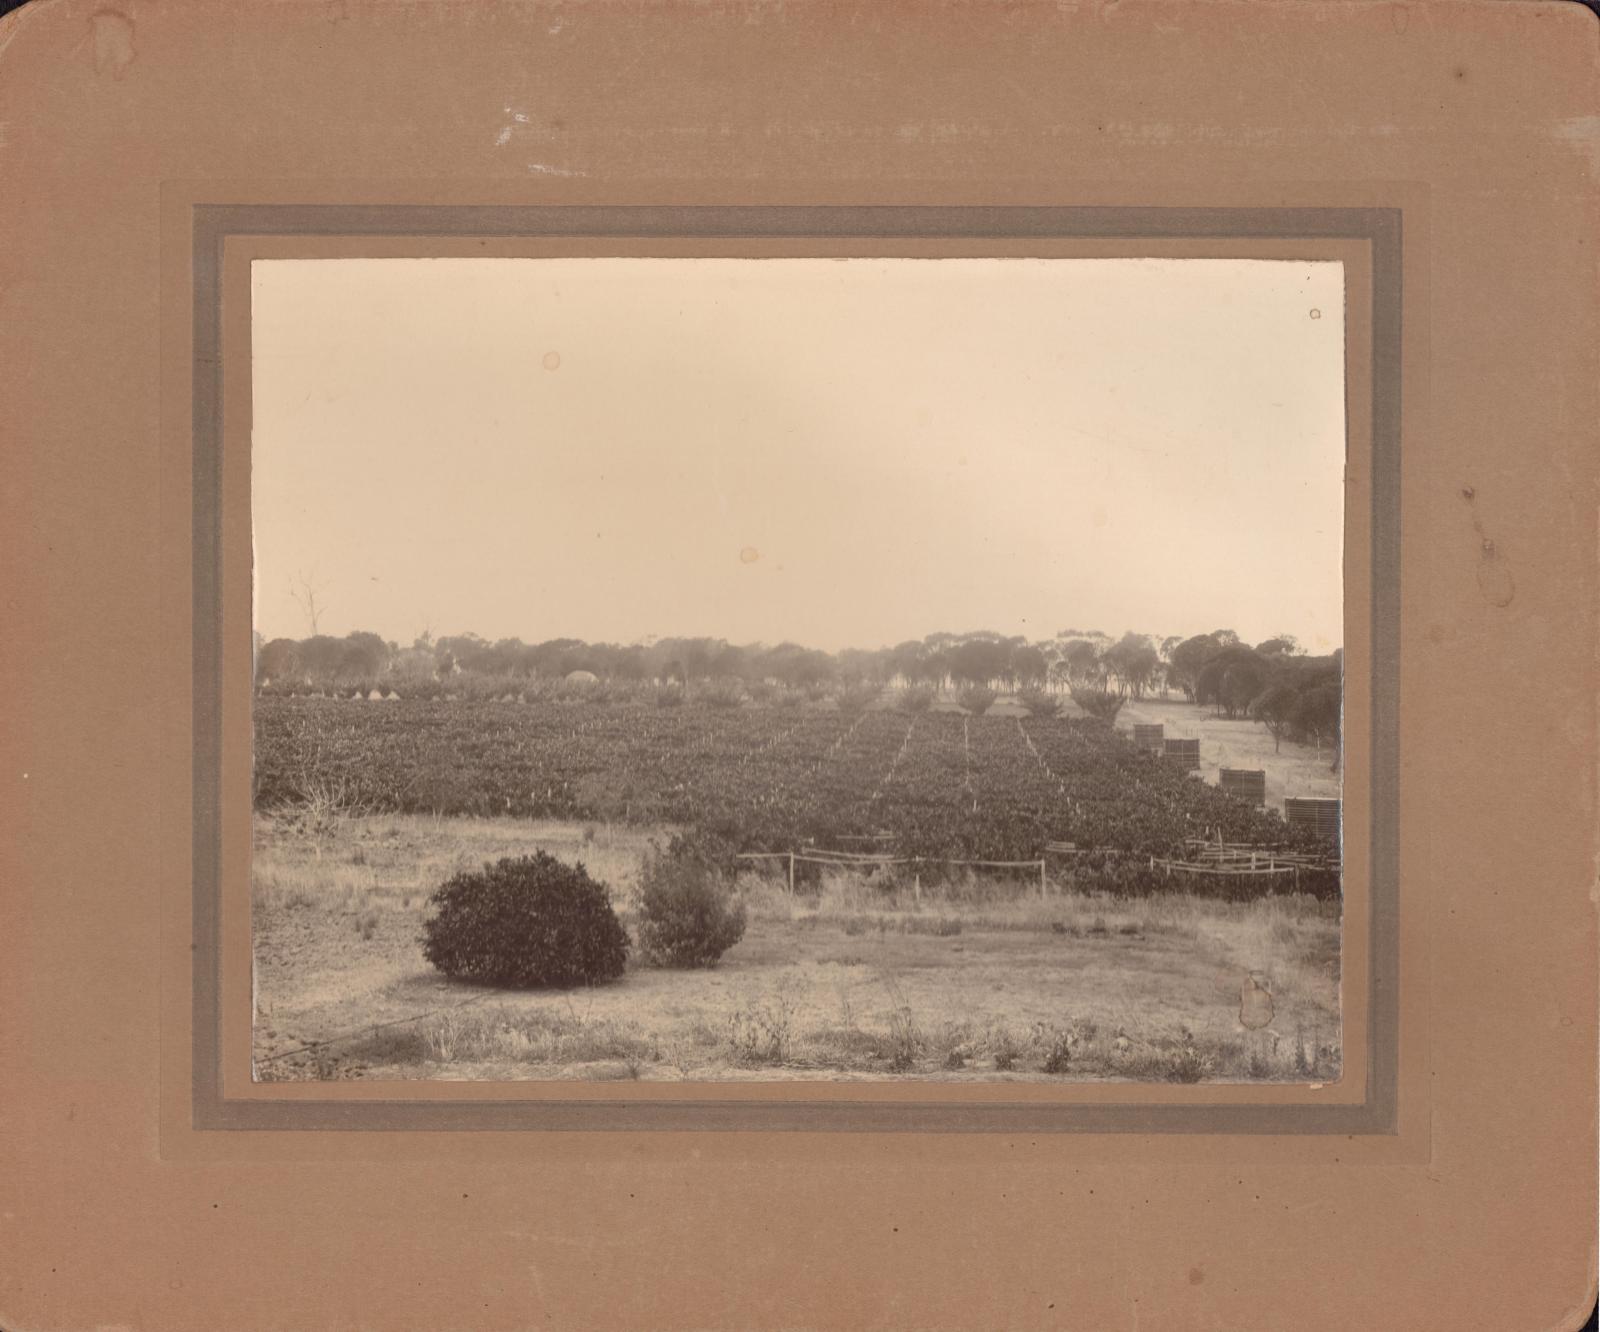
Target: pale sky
{"points": [[836, 452]]}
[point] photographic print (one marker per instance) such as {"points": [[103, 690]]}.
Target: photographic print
{"points": [[713, 669]]}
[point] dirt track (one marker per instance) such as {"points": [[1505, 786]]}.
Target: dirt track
{"points": [[1295, 770]]}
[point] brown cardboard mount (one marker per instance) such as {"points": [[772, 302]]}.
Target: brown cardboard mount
{"points": [[1449, 152]]}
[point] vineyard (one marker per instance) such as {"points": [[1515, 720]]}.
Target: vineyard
{"points": [[936, 786]]}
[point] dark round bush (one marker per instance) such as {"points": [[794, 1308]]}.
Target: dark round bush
{"points": [[977, 700], [529, 922], [688, 915]]}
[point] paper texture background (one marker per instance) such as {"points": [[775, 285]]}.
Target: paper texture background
{"points": [[1478, 120]]}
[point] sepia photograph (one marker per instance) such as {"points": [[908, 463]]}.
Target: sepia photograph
{"points": [[684, 667], [735, 669]]}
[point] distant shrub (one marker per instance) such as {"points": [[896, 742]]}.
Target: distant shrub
{"points": [[669, 696], [688, 915], [918, 698], [527, 922], [1100, 704], [977, 700], [1039, 703]]}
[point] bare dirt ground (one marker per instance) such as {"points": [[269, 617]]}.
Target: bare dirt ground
{"points": [[992, 984], [1295, 770]]}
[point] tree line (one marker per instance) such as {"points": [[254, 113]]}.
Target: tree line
{"points": [[1293, 694]]}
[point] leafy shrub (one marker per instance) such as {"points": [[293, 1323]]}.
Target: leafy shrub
{"points": [[977, 700], [669, 696], [1100, 704], [1039, 703], [918, 698], [688, 916], [526, 922]]}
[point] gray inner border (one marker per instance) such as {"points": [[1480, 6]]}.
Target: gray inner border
{"points": [[213, 223]]}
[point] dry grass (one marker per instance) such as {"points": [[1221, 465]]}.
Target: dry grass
{"points": [[856, 981]]}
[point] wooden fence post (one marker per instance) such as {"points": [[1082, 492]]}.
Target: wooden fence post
{"points": [[1042, 883], [791, 874]]}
